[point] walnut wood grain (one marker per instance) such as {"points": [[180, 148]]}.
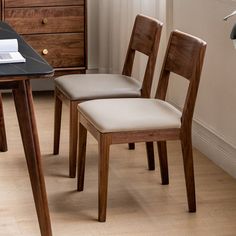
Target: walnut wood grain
{"points": [[82, 154], [184, 56], [103, 167], [145, 38], [40, 3], [2, 9], [131, 146], [25, 113], [3, 138], [64, 50], [46, 19], [163, 161], [150, 155], [57, 124], [73, 137], [69, 70]]}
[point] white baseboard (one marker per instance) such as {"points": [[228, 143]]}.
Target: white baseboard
{"points": [[92, 70], [215, 148]]}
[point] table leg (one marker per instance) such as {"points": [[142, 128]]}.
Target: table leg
{"points": [[26, 118], [3, 138]]}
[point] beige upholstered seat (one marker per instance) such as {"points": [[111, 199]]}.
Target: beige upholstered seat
{"points": [[117, 115], [92, 86], [74, 89]]}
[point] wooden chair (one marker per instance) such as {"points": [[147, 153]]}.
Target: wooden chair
{"points": [[74, 89], [116, 121]]}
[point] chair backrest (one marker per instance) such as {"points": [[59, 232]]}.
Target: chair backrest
{"points": [[145, 38], [184, 56]]}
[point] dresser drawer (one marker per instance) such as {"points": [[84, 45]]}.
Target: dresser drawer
{"points": [[46, 19], [60, 50], [39, 3]]}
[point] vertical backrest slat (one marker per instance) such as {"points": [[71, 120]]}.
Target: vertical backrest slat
{"points": [[145, 38], [184, 56]]}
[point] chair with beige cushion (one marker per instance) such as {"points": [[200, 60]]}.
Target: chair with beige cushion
{"points": [[74, 89], [117, 121]]}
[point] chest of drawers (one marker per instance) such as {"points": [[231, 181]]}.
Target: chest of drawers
{"points": [[55, 28]]}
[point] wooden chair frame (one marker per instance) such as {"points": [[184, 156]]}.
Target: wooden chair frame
{"points": [[145, 38], [184, 56]]}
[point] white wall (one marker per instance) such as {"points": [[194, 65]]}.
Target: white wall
{"points": [[216, 104], [116, 19]]}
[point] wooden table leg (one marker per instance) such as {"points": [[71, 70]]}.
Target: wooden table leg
{"points": [[3, 138], [26, 118]]}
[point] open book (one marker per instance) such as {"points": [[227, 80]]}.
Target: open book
{"points": [[9, 51]]}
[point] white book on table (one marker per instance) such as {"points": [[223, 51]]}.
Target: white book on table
{"points": [[9, 51]]}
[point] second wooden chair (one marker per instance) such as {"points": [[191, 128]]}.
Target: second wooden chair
{"points": [[74, 89]]}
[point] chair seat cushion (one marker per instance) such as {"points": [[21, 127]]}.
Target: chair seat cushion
{"points": [[92, 86], [130, 114]]}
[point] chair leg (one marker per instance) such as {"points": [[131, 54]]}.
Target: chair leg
{"points": [[73, 136], [150, 155], [81, 157], [131, 146], [26, 117], [162, 152], [57, 124], [3, 138], [186, 144], [104, 147]]}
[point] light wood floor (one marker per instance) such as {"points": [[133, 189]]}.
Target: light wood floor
{"points": [[137, 204]]}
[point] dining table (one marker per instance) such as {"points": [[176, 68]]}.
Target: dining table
{"points": [[16, 77]]}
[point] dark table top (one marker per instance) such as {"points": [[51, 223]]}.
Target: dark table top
{"points": [[34, 67]]}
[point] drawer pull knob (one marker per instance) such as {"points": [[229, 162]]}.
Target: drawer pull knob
{"points": [[45, 21], [45, 51]]}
